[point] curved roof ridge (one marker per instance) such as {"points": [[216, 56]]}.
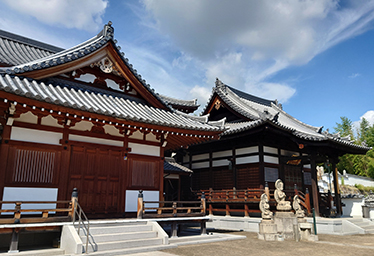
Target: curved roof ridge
{"points": [[89, 46], [315, 128], [202, 119], [29, 41], [181, 102]]}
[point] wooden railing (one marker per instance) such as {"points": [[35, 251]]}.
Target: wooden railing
{"points": [[35, 215], [167, 209], [246, 200], [304, 200]]}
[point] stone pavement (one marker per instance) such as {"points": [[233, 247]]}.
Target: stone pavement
{"points": [[328, 245]]}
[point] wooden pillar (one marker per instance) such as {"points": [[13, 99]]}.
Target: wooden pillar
{"points": [[4, 150], [315, 191], [261, 164], [337, 200], [140, 205]]}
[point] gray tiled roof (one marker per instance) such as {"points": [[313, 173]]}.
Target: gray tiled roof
{"points": [[260, 111], [15, 49], [80, 51], [101, 103], [170, 165], [173, 101]]}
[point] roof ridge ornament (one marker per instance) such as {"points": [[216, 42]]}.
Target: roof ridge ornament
{"points": [[108, 30]]}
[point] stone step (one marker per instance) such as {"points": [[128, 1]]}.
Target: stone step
{"points": [[107, 237], [41, 252], [112, 229], [114, 245], [132, 250]]}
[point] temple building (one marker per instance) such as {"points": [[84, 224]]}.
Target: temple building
{"points": [[84, 118], [262, 143]]}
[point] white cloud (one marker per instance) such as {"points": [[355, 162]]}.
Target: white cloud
{"points": [[369, 116], [82, 14], [245, 43], [202, 95], [354, 75]]}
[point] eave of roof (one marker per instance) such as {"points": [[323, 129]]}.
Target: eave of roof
{"points": [[170, 165], [100, 103], [260, 111], [79, 53]]}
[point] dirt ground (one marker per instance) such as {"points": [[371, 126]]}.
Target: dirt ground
{"points": [[358, 245]]}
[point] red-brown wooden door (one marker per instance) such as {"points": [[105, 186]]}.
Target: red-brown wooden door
{"points": [[96, 173]]}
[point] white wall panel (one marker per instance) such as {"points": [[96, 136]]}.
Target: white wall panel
{"points": [[96, 140], [27, 117], [271, 159], [131, 204], [144, 149], [247, 159], [223, 162], [200, 157], [271, 150], [200, 165], [29, 194], [51, 121], [37, 136], [249, 150], [222, 153]]}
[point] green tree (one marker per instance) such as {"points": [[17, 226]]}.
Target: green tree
{"points": [[345, 128]]}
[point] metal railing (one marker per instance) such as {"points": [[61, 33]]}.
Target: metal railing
{"points": [[84, 224]]}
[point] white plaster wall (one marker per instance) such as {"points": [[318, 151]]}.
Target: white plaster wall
{"points": [[82, 126], [31, 135], [27, 117], [137, 135], [223, 162], [200, 157], [151, 137], [200, 165], [222, 153], [271, 150], [29, 194], [247, 159], [96, 140], [249, 150], [271, 159], [144, 149], [353, 207], [111, 130], [50, 121], [131, 204]]}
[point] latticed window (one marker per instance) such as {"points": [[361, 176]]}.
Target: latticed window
{"points": [[33, 166]]}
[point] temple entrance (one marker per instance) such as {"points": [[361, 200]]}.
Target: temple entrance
{"points": [[96, 172]]}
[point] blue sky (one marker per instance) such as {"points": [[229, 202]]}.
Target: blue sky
{"points": [[315, 57]]}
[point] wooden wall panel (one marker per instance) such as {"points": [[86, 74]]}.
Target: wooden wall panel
{"points": [[248, 177], [32, 166], [223, 179], [144, 173], [201, 179], [96, 174]]}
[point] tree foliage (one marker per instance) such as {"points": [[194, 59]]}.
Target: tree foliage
{"points": [[357, 164]]}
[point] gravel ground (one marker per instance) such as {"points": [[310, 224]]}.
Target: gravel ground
{"points": [[358, 245]]}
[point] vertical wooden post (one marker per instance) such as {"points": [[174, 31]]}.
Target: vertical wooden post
{"points": [[203, 203], [227, 210], [210, 209], [336, 189], [315, 191], [246, 210], [17, 212], [295, 189], [74, 200], [140, 205], [175, 211], [307, 201]]}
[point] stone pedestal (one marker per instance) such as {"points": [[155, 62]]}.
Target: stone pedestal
{"points": [[268, 231], [285, 222]]}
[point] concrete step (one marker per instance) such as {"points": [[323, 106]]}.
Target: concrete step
{"points": [[122, 236], [114, 245], [42, 252], [132, 250], [112, 229]]}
